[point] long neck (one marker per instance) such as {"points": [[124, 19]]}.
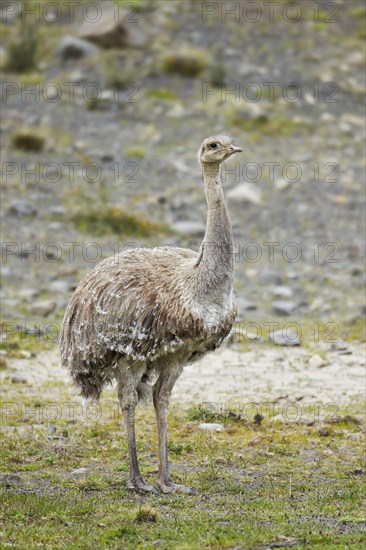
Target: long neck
{"points": [[216, 253]]}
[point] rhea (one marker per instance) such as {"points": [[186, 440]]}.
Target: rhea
{"points": [[139, 317]]}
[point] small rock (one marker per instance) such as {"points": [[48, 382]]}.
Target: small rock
{"points": [[57, 210], [74, 48], [110, 31], [43, 307], [59, 286], [285, 338], [258, 419], [212, 427], [351, 419], [268, 277], [247, 305], [341, 347], [356, 270], [317, 362], [79, 471], [324, 432], [22, 208], [51, 429], [28, 293], [246, 192], [284, 307], [281, 184], [355, 58], [189, 228], [283, 291], [25, 354]]}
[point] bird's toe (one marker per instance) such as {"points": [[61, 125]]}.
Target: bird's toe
{"points": [[170, 487], [141, 487]]}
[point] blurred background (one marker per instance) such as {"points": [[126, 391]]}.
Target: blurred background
{"points": [[104, 106]]}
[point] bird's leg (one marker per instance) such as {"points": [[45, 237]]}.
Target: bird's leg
{"points": [[127, 395], [161, 395]]}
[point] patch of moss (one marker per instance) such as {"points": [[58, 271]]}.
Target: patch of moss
{"points": [[29, 139], [161, 93], [358, 12], [136, 152], [266, 124], [104, 221], [188, 62]]}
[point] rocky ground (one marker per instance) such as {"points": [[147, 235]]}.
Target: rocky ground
{"points": [[100, 128], [296, 195]]}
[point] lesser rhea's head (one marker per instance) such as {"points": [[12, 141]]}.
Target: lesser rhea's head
{"points": [[217, 149]]}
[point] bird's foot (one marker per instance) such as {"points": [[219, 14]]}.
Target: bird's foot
{"points": [[140, 486], [167, 486]]}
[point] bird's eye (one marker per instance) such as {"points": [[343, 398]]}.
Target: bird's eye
{"points": [[213, 145]]}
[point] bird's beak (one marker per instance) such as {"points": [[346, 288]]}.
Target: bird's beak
{"points": [[233, 149]]}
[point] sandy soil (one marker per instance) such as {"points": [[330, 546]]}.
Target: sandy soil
{"points": [[264, 374]]}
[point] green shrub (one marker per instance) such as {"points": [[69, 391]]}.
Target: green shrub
{"points": [[186, 62], [22, 54]]}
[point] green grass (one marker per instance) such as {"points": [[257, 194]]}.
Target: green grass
{"points": [[257, 484], [113, 220]]}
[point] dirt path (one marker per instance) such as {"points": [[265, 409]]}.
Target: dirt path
{"points": [[265, 373]]}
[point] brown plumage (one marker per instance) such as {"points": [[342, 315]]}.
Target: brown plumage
{"points": [[140, 316]]}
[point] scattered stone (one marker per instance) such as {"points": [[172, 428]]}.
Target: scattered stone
{"points": [[284, 307], [28, 293], [26, 354], [72, 48], [59, 286], [51, 429], [268, 277], [281, 184], [35, 330], [57, 210], [211, 427], [351, 420], [189, 228], [355, 58], [324, 432], [356, 270], [22, 207], [283, 291], [316, 304], [247, 305], [317, 362], [79, 471], [258, 419], [341, 348], [110, 31], [107, 32], [246, 192], [43, 307], [285, 338]]}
